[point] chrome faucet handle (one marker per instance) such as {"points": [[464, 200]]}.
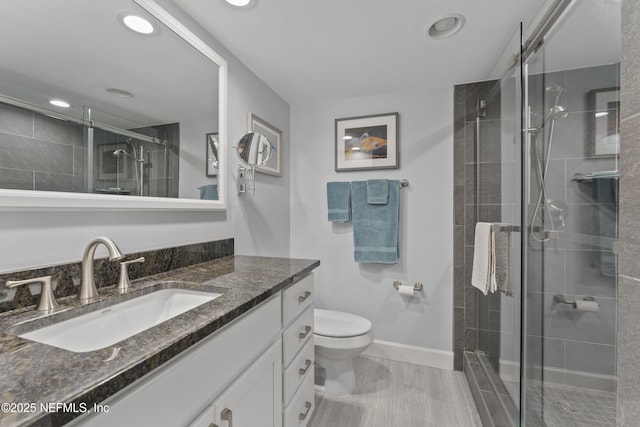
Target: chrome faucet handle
{"points": [[48, 301], [124, 283]]}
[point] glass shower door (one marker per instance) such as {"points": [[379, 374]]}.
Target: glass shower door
{"points": [[571, 107], [498, 136]]}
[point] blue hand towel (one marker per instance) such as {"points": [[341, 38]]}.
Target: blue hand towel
{"points": [[339, 201], [375, 227], [377, 191], [209, 192]]}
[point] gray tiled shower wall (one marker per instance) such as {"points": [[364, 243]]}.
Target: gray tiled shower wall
{"points": [[560, 336], [628, 247], [46, 154], [477, 318], [576, 348], [39, 152]]}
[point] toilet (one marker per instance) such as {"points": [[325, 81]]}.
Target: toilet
{"points": [[339, 338]]}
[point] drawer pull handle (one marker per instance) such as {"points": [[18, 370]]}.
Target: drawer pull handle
{"points": [[303, 334], [307, 407], [227, 415], [304, 370], [301, 298]]}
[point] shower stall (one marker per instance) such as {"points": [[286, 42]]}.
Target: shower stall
{"points": [[536, 153]]}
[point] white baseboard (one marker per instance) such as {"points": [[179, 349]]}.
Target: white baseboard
{"points": [[411, 354]]}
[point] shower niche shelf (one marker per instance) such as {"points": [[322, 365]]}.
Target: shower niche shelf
{"points": [[595, 175]]}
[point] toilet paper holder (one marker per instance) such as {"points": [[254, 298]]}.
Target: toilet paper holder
{"points": [[417, 287], [560, 299]]}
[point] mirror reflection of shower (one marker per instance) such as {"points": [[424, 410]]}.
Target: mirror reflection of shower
{"points": [[557, 209], [138, 157]]}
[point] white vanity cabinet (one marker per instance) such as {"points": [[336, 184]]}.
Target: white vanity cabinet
{"points": [[298, 353], [252, 398], [255, 372]]}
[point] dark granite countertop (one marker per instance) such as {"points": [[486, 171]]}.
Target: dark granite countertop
{"points": [[35, 374]]}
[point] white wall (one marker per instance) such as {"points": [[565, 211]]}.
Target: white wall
{"points": [[426, 216], [31, 239]]}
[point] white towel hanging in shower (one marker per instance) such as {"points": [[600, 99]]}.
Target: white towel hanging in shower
{"points": [[483, 274]]}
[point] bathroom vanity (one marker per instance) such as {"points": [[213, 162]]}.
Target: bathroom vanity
{"points": [[245, 358]]}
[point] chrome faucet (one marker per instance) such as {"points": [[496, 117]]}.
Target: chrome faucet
{"points": [[88, 289]]}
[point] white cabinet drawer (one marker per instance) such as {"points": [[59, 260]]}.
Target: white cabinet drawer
{"points": [[301, 407], [296, 298], [296, 335], [297, 372]]}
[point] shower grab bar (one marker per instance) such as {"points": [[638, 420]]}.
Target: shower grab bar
{"points": [[505, 227], [560, 299]]}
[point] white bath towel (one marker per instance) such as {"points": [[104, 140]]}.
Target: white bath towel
{"points": [[483, 274]]}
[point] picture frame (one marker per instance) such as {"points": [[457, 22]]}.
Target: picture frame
{"points": [[367, 142], [212, 148], [604, 122], [274, 135]]}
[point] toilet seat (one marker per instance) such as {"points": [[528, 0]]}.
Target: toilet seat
{"points": [[335, 324]]}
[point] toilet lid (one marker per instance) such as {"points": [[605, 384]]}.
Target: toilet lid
{"points": [[338, 324]]}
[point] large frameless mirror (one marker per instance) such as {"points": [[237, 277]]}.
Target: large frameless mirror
{"points": [[95, 114]]}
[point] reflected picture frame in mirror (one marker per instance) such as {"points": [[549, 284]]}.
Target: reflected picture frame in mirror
{"points": [[11, 199], [212, 150], [274, 135]]}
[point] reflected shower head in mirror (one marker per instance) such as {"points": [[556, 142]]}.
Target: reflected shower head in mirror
{"points": [[119, 153]]}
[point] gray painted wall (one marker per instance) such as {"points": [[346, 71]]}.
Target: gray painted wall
{"points": [[426, 216]]}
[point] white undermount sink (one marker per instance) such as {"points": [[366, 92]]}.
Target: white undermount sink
{"points": [[105, 327]]}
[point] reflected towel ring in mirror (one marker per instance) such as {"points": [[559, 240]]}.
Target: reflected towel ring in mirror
{"points": [[253, 149]]}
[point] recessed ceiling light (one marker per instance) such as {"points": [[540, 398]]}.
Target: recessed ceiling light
{"points": [[446, 26], [240, 3], [137, 23], [60, 103], [119, 92], [602, 114]]}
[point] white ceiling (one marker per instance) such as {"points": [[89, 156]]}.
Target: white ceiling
{"points": [[75, 49], [315, 49]]}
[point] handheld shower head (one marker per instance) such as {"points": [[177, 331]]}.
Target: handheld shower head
{"points": [[556, 112]]}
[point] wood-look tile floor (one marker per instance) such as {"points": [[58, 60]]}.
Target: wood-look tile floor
{"points": [[395, 394]]}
